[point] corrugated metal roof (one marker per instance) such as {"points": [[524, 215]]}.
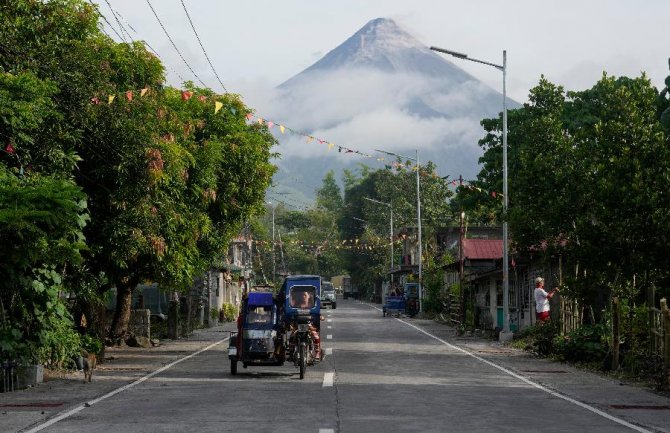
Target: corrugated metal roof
{"points": [[482, 249]]}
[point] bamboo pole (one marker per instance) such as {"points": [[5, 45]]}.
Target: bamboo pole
{"points": [[616, 338], [665, 314]]}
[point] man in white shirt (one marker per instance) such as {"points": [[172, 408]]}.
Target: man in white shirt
{"points": [[542, 300]]}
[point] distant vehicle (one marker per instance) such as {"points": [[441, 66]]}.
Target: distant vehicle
{"points": [[343, 285], [328, 295], [348, 289]]}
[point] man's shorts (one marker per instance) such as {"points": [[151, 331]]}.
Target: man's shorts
{"points": [[542, 316]]}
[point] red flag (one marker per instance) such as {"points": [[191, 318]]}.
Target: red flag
{"points": [[95, 100], [249, 116], [129, 95], [202, 98], [9, 148], [493, 193], [186, 95]]}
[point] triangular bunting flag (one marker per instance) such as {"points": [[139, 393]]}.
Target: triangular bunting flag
{"points": [[186, 95], [9, 148], [249, 116], [202, 98], [217, 106], [281, 128], [95, 100], [110, 99], [129, 95], [144, 91]]}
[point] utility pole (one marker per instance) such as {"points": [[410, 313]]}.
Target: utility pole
{"points": [[461, 259], [274, 262], [418, 219]]}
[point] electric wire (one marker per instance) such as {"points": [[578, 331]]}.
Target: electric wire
{"points": [[106, 20], [173, 44], [202, 46], [116, 17], [117, 21], [144, 41]]}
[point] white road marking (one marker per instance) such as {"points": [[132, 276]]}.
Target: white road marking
{"points": [[326, 430], [329, 327], [328, 379], [329, 350], [329, 320], [329, 337], [77, 409], [528, 381]]}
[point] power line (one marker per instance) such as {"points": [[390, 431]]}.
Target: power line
{"points": [[107, 21], [117, 20], [116, 17], [174, 45], [143, 40], [201, 46]]}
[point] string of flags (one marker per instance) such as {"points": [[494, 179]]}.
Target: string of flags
{"points": [[465, 184], [186, 95]]}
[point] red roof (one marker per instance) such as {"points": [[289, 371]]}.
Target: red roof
{"points": [[482, 249]]}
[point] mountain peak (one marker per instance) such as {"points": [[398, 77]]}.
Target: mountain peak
{"points": [[384, 33], [382, 45]]}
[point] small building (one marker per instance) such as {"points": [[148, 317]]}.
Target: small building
{"points": [[483, 280]]}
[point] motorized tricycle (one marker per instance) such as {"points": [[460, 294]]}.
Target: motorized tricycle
{"points": [[301, 311], [258, 340]]}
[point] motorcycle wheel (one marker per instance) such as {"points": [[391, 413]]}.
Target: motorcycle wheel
{"points": [[303, 360]]}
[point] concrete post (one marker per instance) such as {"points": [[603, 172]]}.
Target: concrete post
{"points": [[173, 320]]}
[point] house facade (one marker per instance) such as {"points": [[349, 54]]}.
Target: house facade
{"points": [[482, 278]]}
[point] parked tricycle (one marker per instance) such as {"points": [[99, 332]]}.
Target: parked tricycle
{"points": [[258, 340]]}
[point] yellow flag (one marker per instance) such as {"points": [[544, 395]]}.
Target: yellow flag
{"points": [[330, 146], [110, 99], [281, 128], [217, 106], [144, 91]]}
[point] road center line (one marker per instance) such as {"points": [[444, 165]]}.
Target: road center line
{"points": [[328, 379], [329, 337], [528, 381], [77, 409]]}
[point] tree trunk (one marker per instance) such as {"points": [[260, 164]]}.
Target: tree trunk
{"points": [[124, 296]]}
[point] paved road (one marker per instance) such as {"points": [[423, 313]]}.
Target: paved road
{"points": [[381, 375]]}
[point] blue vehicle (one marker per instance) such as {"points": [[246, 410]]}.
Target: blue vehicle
{"points": [[406, 302], [300, 306], [258, 340]]}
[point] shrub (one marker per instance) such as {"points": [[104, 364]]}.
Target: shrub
{"points": [[540, 337], [229, 312], [91, 344], [588, 343], [60, 343]]}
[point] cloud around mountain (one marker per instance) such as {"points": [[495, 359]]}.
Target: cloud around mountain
{"points": [[380, 89]]}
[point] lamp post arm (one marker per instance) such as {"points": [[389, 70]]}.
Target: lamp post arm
{"points": [[465, 57]]}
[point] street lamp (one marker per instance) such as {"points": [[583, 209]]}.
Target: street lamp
{"points": [[418, 216], [502, 68], [390, 206]]}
